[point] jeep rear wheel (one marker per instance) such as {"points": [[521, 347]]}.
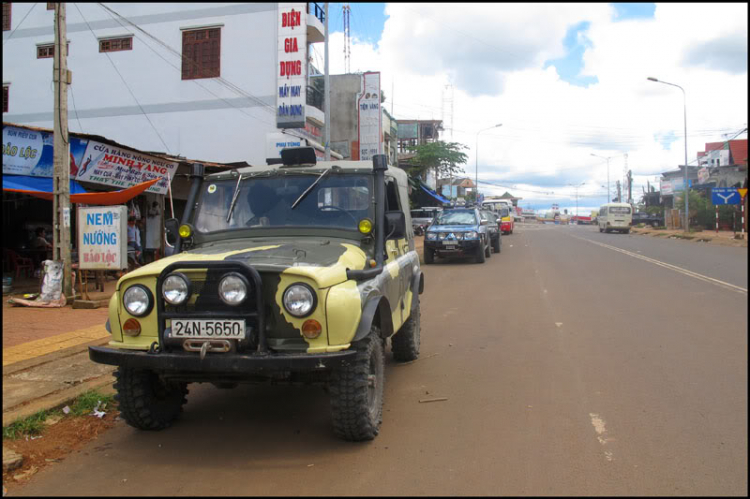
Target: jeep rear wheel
{"points": [[405, 343], [357, 391], [145, 401]]}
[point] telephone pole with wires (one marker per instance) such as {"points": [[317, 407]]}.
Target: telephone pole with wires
{"points": [[61, 156]]}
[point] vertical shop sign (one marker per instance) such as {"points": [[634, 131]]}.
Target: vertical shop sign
{"points": [[369, 117], [291, 73], [103, 237]]}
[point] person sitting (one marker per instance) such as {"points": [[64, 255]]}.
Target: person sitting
{"points": [[40, 241]]}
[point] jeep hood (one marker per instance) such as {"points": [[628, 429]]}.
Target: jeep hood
{"points": [[323, 260]]}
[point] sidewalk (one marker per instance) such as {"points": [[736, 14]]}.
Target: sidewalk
{"points": [[723, 238], [45, 354]]}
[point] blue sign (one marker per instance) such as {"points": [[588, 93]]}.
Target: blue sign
{"points": [[725, 195]]}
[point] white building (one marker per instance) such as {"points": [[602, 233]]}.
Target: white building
{"points": [[200, 80]]}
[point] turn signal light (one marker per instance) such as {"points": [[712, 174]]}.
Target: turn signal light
{"points": [[131, 327], [185, 231], [311, 329]]}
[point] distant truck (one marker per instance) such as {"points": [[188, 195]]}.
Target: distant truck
{"points": [[642, 217], [582, 220]]}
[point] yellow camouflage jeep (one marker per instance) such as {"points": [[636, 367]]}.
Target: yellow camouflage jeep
{"points": [[294, 271]]}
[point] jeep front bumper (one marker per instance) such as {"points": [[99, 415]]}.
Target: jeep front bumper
{"points": [[454, 246], [220, 363]]}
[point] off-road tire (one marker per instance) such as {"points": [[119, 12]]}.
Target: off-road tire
{"points": [[405, 343], [357, 411], [146, 402], [429, 256], [626, 231], [479, 257], [601, 230], [488, 249], [496, 245]]}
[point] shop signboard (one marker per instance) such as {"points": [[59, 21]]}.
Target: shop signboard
{"points": [[103, 237], [31, 152], [702, 175], [275, 142], [122, 168], [407, 131], [369, 117], [666, 188], [291, 74]]}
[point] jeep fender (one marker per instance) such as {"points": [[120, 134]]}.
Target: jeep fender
{"points": [[376, 307], [417, 288]]}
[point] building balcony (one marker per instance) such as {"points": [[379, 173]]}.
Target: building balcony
{"points": [[315, 19]]}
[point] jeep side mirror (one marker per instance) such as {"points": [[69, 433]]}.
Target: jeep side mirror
{"points": [[395, 224], [483, 222], [172, 227]]}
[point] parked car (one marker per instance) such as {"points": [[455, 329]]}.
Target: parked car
{"points": [[641, 217], [494, 228], [421, 218], [455, 232], [287, 282]]}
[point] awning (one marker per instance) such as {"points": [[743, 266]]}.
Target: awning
{"points": [[41, 187], [434, 194]]}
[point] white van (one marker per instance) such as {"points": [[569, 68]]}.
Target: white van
{"points": [[615, 216]]}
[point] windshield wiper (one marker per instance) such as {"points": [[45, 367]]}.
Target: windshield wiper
{"points": [[302, 196], [234, 199]]}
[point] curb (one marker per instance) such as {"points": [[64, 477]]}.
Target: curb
{"points": [[58, 399]]}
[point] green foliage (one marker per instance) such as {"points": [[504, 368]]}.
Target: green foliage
{"points": [[470, 197], [86, 402], [31, 425], [444, 157], [655, 210]]}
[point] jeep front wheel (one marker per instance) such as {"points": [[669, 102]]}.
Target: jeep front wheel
{"points": [[357, 391], [145, 401], [405, 343], [479, 258], [429, 255]]}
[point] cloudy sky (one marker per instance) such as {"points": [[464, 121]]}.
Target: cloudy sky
{"points": [[564, 80]]}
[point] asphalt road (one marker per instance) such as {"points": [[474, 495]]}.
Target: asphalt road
{"points": [[570, 368]]}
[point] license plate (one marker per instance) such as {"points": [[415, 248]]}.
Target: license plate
{"points": [[208, 329], [450, 247]]}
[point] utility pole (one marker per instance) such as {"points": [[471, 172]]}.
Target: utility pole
{"points": [[327, 94], [61, 155], [619, 192], [630, 186]]}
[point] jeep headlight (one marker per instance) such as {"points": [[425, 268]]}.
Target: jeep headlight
{"points": [[233, 289], [472, 234], [138, 300], [176, 289], [299, 300], [442, 235], [431, 236]]}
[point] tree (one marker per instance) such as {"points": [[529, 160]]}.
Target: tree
{"points": [[443, 157]]}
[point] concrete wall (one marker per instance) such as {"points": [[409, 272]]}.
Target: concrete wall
{"points": [[199, 119]]}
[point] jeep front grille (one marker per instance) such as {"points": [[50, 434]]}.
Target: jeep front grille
{"points": [[206, 304]]}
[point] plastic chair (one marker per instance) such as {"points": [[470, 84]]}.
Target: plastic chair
{"points": [[20, 263]]}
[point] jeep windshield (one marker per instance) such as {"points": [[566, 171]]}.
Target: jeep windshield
{"points": [[336, 201], [456, 218]]}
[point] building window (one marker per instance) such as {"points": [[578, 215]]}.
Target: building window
{"points": [[5, 98], [116, 44], [6, 16], [50, 6], [201, 53], [48, 51]]}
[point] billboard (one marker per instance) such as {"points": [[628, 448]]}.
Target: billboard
{"points": [[291, 75], [369, 117], [31, 152], [407, 131]]}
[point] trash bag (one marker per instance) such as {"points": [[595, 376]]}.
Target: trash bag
{"points": [[52, 283]]}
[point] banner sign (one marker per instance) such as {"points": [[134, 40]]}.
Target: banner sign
{"points": [[725, 195], [369, 117], [702, 175], [291, 75], [666, 188], [31, 152], [103, 237], [122, 168]]}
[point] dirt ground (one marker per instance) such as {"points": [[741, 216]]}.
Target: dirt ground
{"points": [[58, 441], [723, 238]]}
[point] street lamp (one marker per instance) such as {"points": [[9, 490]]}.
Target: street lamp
{"points": [[476, 167], [597, 156], [576, 188], [684, 111]]}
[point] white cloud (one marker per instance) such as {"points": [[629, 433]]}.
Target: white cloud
{"points": [[493, 54]]}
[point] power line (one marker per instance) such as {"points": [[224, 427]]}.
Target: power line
{"points": [[124, 82]]}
